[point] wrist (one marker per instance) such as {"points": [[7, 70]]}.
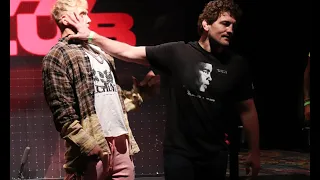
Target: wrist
{"points": [[91, 36], [255, 151], [306, 102]]}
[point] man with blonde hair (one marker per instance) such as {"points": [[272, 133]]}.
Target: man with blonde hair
{"points": [[89, 108]]}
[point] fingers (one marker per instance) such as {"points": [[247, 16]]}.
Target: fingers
{"points": [[70, 19], [135, 81], [105, 162], [154, 81], [78, 17], [252, 171], [146, 80], [143, 82], [150, 80], [248, 166], [255, 172], [73, 36], [248, 171], [73, 18], [105, 165], [150, 73]]}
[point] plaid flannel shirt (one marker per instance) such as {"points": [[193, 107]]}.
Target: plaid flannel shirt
{"points": [[69, 92]]}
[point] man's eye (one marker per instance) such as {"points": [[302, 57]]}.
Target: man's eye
{"points": [[226, 23], [83, 14]]}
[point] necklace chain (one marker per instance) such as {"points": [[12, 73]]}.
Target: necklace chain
{"points": [[96, 55]]}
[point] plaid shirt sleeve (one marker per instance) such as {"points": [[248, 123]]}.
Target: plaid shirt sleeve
{"points": [[59, 95]]}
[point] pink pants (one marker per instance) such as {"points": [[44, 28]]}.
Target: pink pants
{"points": [[121, 164]]}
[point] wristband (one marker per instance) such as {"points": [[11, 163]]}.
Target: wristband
{"points": [[307, 103], [90, 36]]}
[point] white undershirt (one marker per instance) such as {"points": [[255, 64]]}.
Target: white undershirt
{"points": [[107, 102]]}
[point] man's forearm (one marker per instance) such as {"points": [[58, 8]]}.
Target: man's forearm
{"points": [[251, 127], [306, 83], [306, 93], [75, 133], [112, 47], [120, 50]]}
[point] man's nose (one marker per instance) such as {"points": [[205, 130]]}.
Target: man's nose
{"points": [[89, 20], [230, 30]]}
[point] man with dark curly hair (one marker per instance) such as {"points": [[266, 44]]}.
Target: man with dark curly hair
{"points": [[194, 144]]}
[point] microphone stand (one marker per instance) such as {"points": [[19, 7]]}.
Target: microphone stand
{"points": [[20, 174]]}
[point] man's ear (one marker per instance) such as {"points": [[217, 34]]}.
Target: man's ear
{"points": [[63, 20], [205, 25]]}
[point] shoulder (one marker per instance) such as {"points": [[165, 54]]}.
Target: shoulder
{"points": [[239, 63], [55, 54], [177, 44], [237, 58], [168, 45], [61, 53]]}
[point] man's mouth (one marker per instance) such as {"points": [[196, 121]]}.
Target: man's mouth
{"points": [[226, 37]]}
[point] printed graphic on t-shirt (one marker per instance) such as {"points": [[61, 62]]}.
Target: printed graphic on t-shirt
{"points": [[200, 96], [104, 81], [204, 70], [203, 80]]}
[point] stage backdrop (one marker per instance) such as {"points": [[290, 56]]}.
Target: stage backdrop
{"points": [[33, 32]]}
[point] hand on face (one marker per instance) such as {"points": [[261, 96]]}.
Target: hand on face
{"points": [[75, 20]]}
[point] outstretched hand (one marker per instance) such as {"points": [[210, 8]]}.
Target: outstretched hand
{"points": [[149, 86], [75, 20], [150, 80]]}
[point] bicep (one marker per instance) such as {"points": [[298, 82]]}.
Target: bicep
{"points": [[307, 69], [247, 110], [136, 54], [163, 57], [245, 105], [244, 91]]}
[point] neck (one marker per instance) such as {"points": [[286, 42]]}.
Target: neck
{"points": [[67, 31], [209, 45]]}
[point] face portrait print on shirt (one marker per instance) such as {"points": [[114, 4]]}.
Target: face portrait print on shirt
{"points": [[204, 76], [202, 81]]}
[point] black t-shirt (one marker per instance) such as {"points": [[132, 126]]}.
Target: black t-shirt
{"points": [[200, 90]]}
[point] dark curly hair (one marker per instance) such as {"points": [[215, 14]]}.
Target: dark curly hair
{"points": [[214, 9]]}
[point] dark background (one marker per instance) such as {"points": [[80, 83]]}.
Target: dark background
{"points": [[274, 37]]}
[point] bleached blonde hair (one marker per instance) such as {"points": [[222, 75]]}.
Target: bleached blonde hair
{"points": [[62, 6]]}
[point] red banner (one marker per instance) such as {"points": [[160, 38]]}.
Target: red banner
{"points": [[34, 32]]}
